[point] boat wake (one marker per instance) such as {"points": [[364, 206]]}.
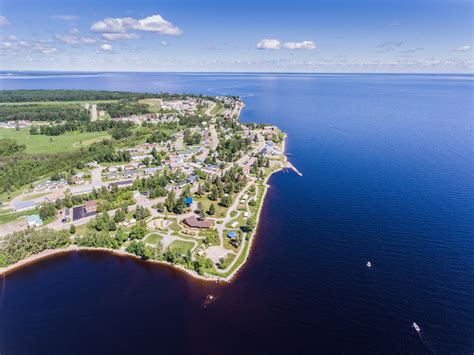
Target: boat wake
{"points": [[338, 129], [208, 300]]}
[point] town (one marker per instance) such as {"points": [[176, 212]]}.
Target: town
{"points": [[175, 179]]}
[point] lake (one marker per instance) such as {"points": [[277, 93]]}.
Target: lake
{"points": [[388, 177]]}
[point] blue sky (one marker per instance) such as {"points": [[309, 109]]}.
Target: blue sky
{"points": [[283, 36]]}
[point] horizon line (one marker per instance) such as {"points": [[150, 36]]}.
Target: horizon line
{"points": [[228, 72]]}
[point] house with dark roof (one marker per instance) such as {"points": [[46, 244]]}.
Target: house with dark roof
{"points": [[193, 222]]}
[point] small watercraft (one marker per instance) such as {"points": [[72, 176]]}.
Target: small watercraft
{"points": [[417, 328], [209, 299], [369, 264]]}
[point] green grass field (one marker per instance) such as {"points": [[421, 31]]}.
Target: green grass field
{"points": [[41, 144], [181, 245], [56, 102], [153, 238], [13, 216]]}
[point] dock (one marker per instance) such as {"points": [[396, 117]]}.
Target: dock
{"points": [[288, 165]]}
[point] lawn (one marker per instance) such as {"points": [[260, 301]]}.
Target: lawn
{"points": [[206, 203], [56, 102], [181, 245], [13, 216], [153, 238], [217, 109], [41, 144], [155, 104]]}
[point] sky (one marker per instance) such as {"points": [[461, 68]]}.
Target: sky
{"points": [[433, 36]]}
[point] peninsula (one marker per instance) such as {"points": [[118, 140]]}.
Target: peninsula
{"points": [[168, 178]]}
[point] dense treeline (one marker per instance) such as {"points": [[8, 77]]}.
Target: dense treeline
{"points": [[40, 112], [124, 108], [190, 138], [105, 151], [221, 188], [71, 126], [19, 170], [10, 147], [21, 245], [83, 95], [155, 185], [231, 149], [68, 95]]}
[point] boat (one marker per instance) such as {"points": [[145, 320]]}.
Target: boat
{"points": [[369, 264], [417, 328]]}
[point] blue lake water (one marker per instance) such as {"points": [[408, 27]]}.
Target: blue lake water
{"points": [[388, 177]]}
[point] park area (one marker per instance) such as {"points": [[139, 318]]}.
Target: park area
{"points": [[42, 144]]}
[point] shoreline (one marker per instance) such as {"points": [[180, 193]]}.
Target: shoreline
{"points": [[208, 277]]}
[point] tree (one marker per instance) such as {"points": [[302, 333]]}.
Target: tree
{"points": [[138, 231], [121, 235], [214, 195], [200, 210], [160, 207], [179, 206], [141, 213], [119, 215], [47, 210], [212, 209], [72, 229], [226, 200], [170, 201], [140, 249], [249, 225]]}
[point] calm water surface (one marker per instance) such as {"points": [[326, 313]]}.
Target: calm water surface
{"points": [[388, 177]]}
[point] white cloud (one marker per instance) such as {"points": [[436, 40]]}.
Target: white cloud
{"points": [[74, 39], [7, 37], [464, 48], [106, 47], [387, 46], [22, 48], [412, 50], [300, 45], [4, 21], [119, 36], [64, 17], [164, 43], [395, 24], [154, 23], [269, 43], [157, 23]]}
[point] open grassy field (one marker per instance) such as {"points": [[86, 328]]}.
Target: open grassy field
{"points": [[153, 238], [181, 245], [41, 144], [56, 102], [155, 104], [9, 216], [217, 109]]}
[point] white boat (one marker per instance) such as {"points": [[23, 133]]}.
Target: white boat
{"points": [[369, 264], [417, 328]]}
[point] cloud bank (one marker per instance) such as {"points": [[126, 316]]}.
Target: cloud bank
{"points": [[274, 44], [118, 28], [269, 43], [300, 45], [4, 21]]}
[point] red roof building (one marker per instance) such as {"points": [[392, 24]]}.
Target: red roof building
{"points": [[193, 222], [90, 206]]}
